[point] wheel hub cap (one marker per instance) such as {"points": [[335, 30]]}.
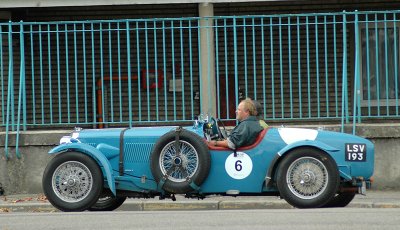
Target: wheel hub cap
{"points": [[308, 177], [177, 161], [71, 182]]}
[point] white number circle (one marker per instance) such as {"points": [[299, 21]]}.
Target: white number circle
{"points": [[238, 167]]}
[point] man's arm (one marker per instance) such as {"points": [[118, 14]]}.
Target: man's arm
{"points": [[223, 143]]}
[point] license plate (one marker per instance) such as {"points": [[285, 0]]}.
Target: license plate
{"points": [[356, 152]]}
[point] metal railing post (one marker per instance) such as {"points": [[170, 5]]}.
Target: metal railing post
{"points": [[128, 59], [21, 95], [10, 90], [344, 74], [356, 105]]}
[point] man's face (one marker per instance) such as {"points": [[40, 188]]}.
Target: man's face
{"points": [[241, 113]]}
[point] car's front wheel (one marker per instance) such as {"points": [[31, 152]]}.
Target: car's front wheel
{"points": [[107, 202], [307, 178], [72, 181]]}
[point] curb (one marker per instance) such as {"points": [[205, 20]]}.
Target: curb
{"points": [[137, 205]]}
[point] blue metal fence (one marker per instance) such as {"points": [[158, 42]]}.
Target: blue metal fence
{"points": [[335, 67]]}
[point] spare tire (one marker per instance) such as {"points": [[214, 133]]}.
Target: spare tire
{"points": [[175, 170]]}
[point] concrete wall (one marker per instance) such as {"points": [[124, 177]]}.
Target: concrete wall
{"points": [[25, 175]]}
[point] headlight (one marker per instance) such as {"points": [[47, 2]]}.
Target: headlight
{"points": [[65, 140], [73, 138], [75, 135]]}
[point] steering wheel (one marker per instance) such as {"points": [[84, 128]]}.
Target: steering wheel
{"points": [[223, 132], [212, 131]]}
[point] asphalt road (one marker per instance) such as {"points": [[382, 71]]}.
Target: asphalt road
{"points": [[308, 219]]}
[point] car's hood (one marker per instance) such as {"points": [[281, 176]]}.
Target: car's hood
{"points": [[112, 136]]}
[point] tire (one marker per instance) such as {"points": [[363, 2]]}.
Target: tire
{"points": [[340, 200], [72, 182], [307, 178], [180, 170], [107, 202]]}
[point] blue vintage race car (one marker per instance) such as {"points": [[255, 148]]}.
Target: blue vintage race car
{"points": [[98, 169]]}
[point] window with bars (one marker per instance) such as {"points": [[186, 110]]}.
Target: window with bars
{"points": [[380, 64]]}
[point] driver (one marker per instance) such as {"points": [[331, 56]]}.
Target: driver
{"points": [[246, 132]]}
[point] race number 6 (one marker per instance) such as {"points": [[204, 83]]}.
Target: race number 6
{"points": [[238, 167]]}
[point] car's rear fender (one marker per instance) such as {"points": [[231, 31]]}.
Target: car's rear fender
{"points": [[285, 150], [343, 169], [92, 152], [307, 143]]}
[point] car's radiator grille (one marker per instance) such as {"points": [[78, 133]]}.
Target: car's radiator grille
{"points": [[137, 152]]}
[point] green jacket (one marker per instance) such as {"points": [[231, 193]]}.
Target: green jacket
{"points": [[245, 133]]}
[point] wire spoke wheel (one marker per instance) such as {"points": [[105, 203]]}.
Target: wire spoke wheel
{"points": [[180, 161], [179, 164], [72, 181], [307, 178]]}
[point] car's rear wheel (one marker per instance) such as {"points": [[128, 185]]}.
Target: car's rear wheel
{"points": [[307, 178], [340, 200], [180, 163], [107, 202], [72, 181]]}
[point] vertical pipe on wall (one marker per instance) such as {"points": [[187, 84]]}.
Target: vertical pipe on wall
{"points": [[207, 56]]}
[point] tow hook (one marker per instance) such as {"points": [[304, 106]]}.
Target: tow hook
{"points": [[361, 184], [362, 190]]}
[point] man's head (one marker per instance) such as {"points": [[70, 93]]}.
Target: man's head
{"points": [[245, 109]]}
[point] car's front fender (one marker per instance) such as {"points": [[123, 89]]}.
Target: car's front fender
{"points": [[93, 152]]}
